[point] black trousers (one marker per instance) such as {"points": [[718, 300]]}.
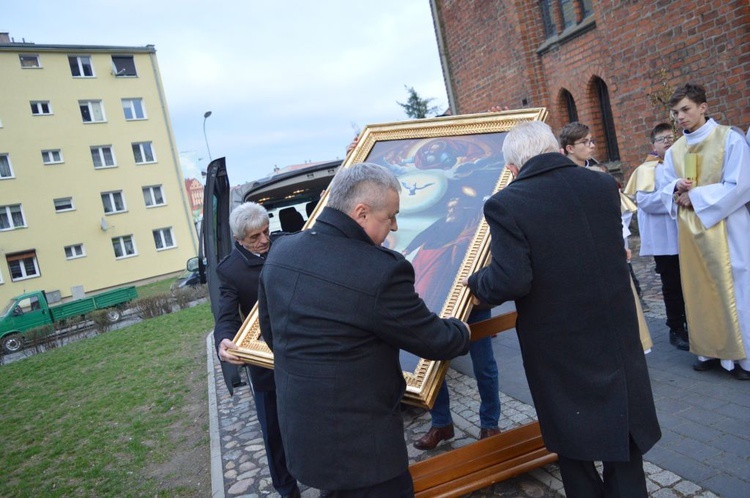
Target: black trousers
{"points": [[619, 479], [265, 406], [401, 486], [668, 268]]}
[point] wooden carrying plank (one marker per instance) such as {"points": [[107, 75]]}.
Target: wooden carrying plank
{"points": [[481, 464]]}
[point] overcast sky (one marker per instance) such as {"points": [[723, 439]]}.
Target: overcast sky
{"points": [[286, 81]]}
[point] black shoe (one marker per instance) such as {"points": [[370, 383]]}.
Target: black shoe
{"points": [[702, 366], [740, 373], [677, 339]]}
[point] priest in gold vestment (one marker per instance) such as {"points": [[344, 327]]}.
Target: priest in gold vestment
{"points": [[708, 191]]}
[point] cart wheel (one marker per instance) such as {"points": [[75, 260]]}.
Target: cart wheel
{"points": [[113, 315]]}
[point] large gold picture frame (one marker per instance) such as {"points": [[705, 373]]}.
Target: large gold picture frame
{"points": [[448, 167]]}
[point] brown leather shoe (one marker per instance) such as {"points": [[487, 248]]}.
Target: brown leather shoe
{"points": [[433, 437], [485, 433]]}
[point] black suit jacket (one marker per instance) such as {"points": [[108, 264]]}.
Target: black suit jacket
{"points": [[238, 285], [336, 309], [557, 251]]}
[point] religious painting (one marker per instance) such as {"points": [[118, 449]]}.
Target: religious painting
{"points": [[447, 168]]}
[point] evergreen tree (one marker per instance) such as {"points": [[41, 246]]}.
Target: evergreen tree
{"points": [[416, 107]]}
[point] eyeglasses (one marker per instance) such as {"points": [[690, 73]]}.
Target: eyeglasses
{"points": [[588, 142], [665, 138]]}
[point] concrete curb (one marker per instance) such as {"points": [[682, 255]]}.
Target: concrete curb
{"points": [[217, 473]]}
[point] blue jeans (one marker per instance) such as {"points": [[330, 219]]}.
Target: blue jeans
{"points": [[485, 372]]}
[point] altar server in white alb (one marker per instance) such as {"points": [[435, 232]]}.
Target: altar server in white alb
{"points": [[708, 191], [658, 231]]}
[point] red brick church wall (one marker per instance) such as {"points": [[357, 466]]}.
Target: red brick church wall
{"points": [[494, 53]]}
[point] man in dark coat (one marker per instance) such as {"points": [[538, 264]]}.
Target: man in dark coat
{"points": [[238, 276], [336, 307], [557, 251]]}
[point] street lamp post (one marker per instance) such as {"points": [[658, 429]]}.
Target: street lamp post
{"points": [[205, 117]]}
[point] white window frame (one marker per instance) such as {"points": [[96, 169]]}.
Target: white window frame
{"points": [[64, 204], [121, 243], [22, 267], [149, 197], [41, 108], [160, 236], [1, 278], [95, 110], [75, 251], [48, 156], [5, 161], [82, 61], [144, 149], [99, 151], [29, 57], [7, 214], [112, 198], [134, 107]]}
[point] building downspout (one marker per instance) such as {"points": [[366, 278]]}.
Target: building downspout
{"points": [[443, 58], [173, 149]]}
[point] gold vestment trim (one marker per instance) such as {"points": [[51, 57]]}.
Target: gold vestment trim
{"points": [[643, 179], [705, 266]]}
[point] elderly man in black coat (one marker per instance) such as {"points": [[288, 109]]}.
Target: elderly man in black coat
{"points": [[336, 307], [238, 283], [557, 251]]}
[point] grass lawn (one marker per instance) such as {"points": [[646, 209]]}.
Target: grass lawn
{"points": [[160, 287], [120, 414]]}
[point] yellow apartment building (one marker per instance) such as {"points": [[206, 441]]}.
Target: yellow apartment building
{"points": [[92, 195]]}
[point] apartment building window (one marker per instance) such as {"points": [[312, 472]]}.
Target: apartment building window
{"points": [[74, 251], [92, 111], [113, 202], [52, 156], [64, 204], [80, 66], [124, 65], [163, 238], [153, 196], [6, 171], [133, 109], [23, 265], [103, 156], [40, 107], [124, 246], [11, 217], [143, 153], [29, 60]]}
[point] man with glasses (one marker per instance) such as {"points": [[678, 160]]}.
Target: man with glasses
{"points": [[708, 191], [659, 231], [577, 144]]}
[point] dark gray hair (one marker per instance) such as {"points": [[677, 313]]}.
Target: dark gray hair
{"points": [[361, 183], [247, 217], [527, 140]]}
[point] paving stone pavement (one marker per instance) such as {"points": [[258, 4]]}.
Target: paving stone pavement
{"points": [[705, 420]]}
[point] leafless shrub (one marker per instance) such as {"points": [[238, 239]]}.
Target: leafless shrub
{"points": [[153, 306], [100, 320], [186, 295]]}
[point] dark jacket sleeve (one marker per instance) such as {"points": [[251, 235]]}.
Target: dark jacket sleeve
{"points": [[408, 324], [509, 274], [263, 317], [227, 319]]}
